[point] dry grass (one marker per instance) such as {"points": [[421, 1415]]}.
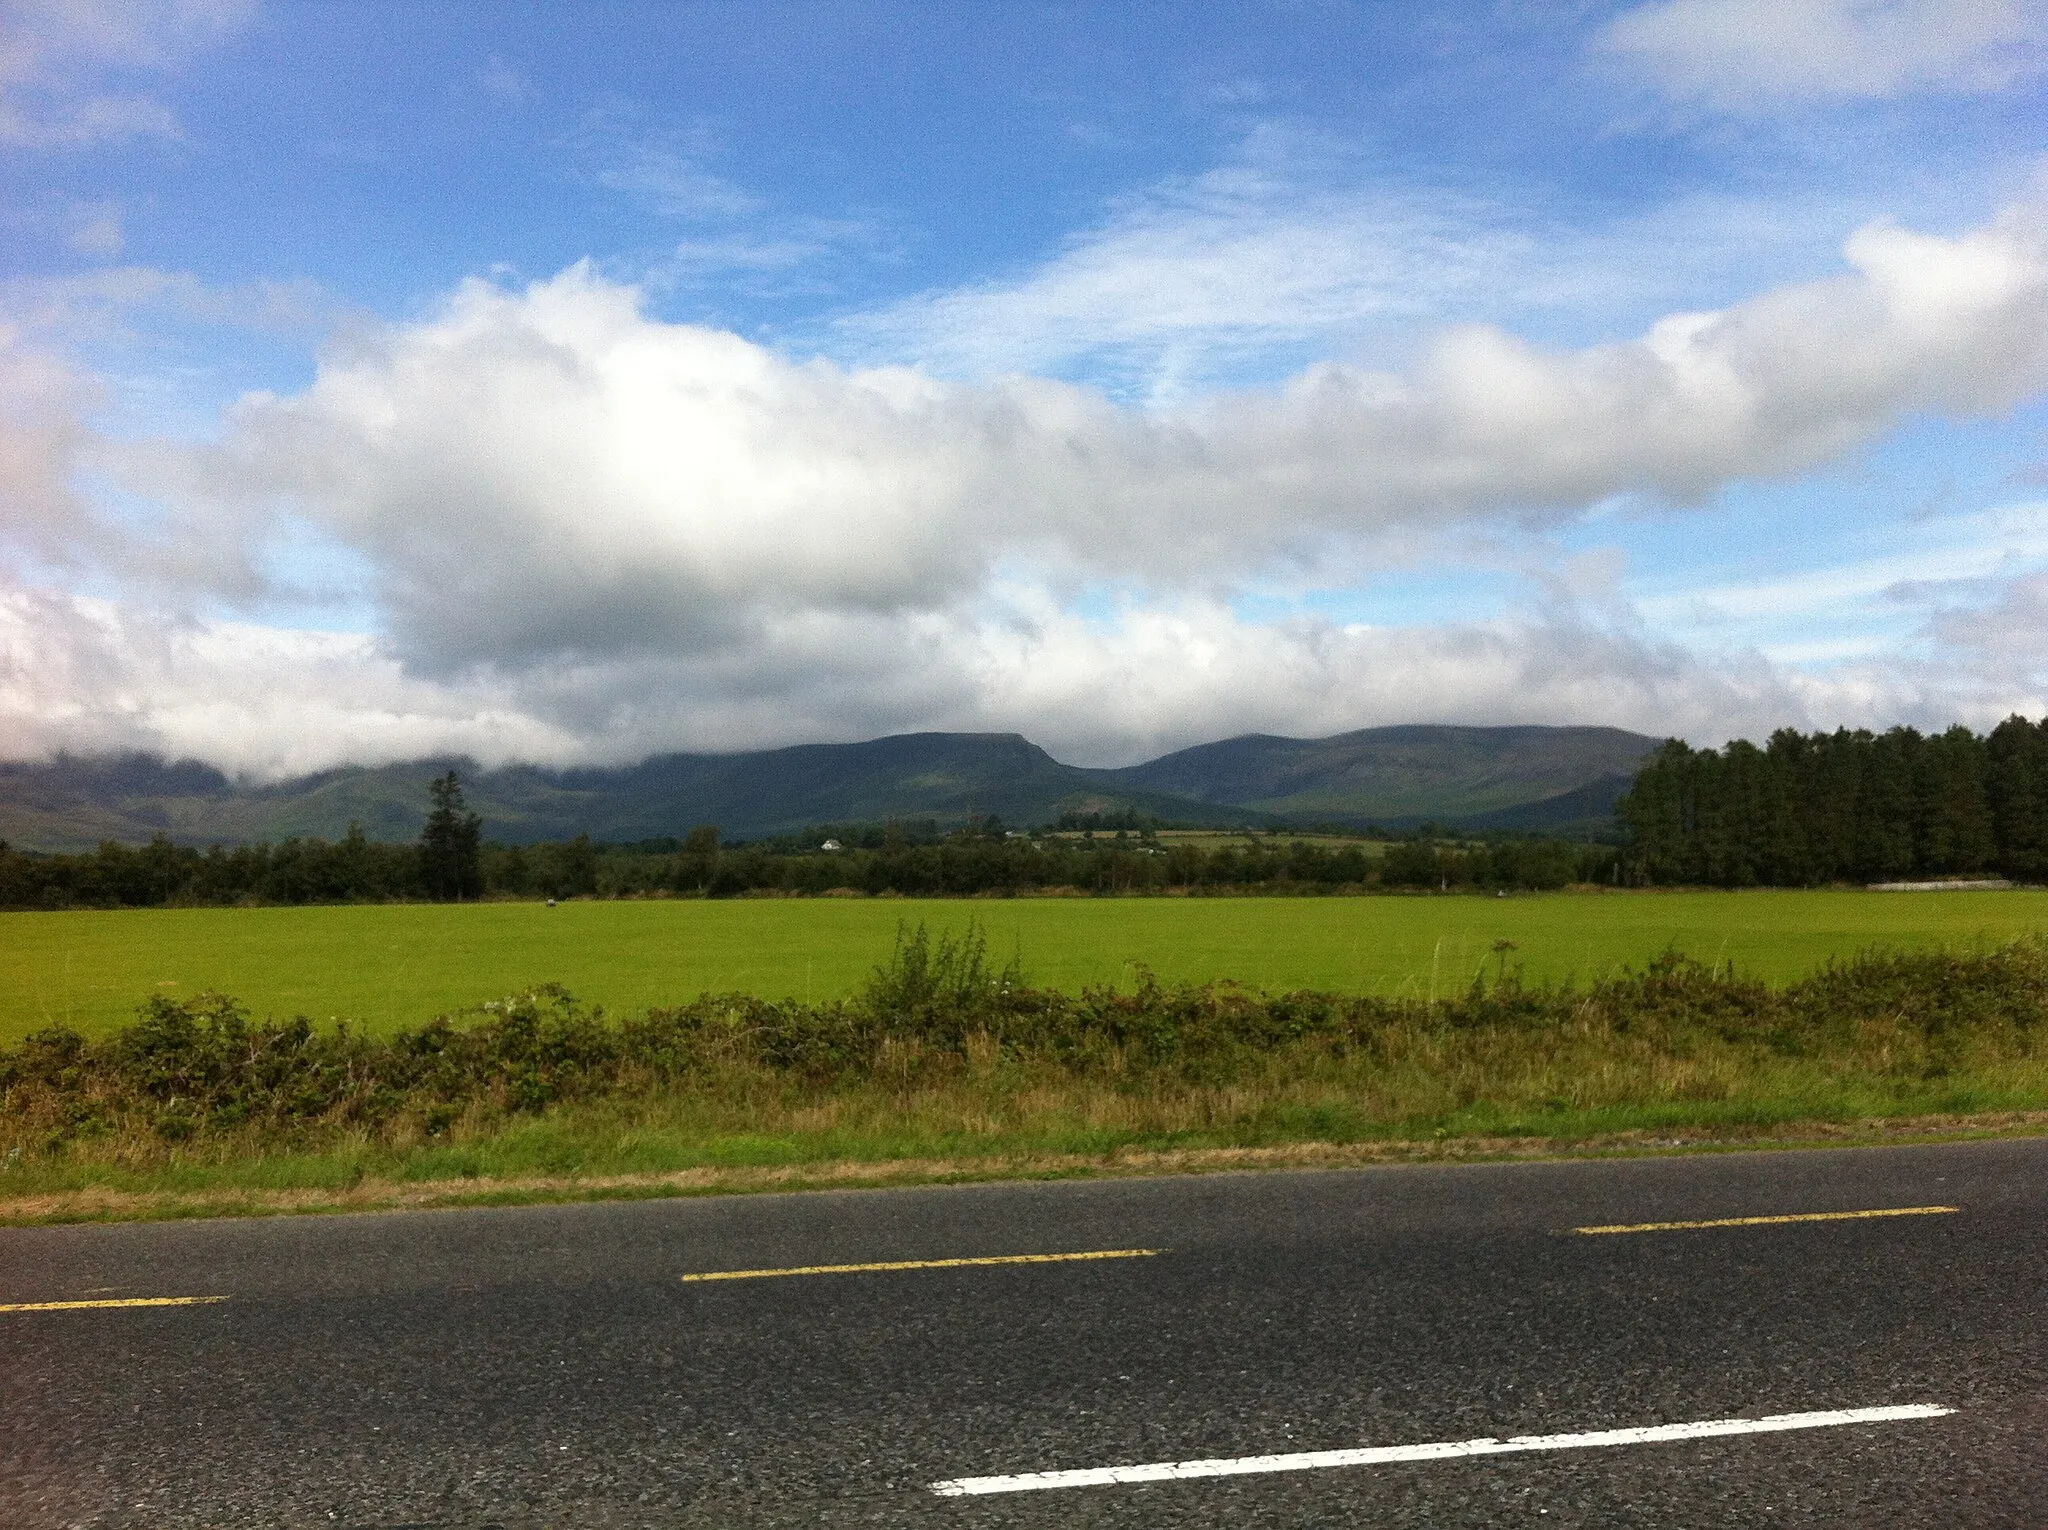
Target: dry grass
{"points": [[103, 1203]]}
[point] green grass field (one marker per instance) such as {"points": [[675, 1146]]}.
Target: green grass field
{"points": [[390, 965]]}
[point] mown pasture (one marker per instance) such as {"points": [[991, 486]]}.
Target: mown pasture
{"points": [[382, 966]]}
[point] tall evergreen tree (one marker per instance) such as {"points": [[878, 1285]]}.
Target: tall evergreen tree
{"points": [[1785, 855], [1654, 812], [2016, 781], [451, 845], [1832, 803], [1885, 841], [1955, 818]]}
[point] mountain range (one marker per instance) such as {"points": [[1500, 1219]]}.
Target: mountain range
{"points": [[1560, 780]]}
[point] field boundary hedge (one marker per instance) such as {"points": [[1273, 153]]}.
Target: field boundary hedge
{"points": [[937, 1012]]}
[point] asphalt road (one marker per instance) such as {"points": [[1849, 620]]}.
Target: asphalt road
{"points": [[550, 1367]]}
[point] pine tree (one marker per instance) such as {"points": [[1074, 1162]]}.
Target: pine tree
{"points": [[1955, 818], [451, 845], [1833, 802], [1653, 810], [1886, 844], [1785, 856], [2017, 782]]}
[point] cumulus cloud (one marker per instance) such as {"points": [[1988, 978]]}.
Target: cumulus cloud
{"points": [[1745, 54], [549, 474], [55, 56], [91, 675], [590, 534]]}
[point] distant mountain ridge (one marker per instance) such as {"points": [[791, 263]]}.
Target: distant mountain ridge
{"points": [[1406, 774], [1519, 777]]}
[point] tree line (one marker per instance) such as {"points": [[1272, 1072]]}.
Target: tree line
{"points": [[968, 863], [1850, 806], [1802, 810], [451, 862], [444, 864]]}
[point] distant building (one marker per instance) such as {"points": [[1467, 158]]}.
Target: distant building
{"points": [[831, 844]]}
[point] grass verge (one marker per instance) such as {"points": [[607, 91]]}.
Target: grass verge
{"points": [[338, 1188]]}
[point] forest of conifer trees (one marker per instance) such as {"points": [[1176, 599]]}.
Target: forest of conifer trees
{"points": [[1810, 809]]}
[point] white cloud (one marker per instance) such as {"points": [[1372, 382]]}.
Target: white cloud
{"points": [[550, 474], [1298, 249], [44, 402], [1270, 251], [2007, 627], [1748, 54], [768, 255], [54, 418], [1163, 677], [735, 242], [92, 676], [1952, 550], [670, 176], [591, 534], [99, 304], [55, 54]]}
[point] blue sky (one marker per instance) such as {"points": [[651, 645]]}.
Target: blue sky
{"points": [[570, 382]]}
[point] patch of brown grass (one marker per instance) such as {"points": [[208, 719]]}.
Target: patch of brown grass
{"points": [[371, 1194]]}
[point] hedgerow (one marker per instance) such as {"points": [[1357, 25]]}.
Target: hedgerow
{"points": [[202, 1068]]}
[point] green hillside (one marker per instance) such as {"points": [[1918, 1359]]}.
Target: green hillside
{"points": [[74, 804], [1538, 778], [1400, 775]]}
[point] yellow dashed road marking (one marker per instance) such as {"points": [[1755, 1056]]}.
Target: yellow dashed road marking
{"points": [[926, 1264], [1804, 1216], [130, 1301]]}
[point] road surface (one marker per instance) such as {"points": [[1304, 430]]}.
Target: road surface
{"points": [[1432, 1345]]}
